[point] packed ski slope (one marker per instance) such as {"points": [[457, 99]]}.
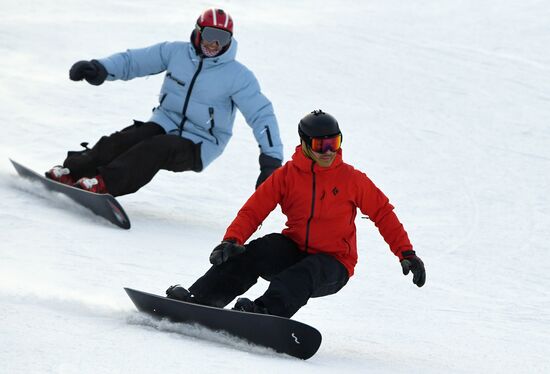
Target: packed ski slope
{"points": [[445, 104]]}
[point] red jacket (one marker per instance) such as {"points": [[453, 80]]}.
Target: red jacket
{"points": [[320, 205]]}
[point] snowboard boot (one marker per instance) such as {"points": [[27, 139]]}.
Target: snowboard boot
{"points": [[95, 184], [177, 292], [246, 305], [60, 174]]}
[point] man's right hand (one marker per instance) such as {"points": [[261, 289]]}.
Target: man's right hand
{"points": [[92, 71], [268, 165], [224, 251]]}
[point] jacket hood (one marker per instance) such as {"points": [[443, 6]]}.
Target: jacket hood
{"points": [[304, 163]]}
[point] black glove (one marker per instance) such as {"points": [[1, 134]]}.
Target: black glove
{"points": [[268, 165], [413, 263], [92, 71], [224, 251]]}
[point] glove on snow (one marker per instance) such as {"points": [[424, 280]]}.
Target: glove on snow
{"points": [[413, 263], [268, 165], [224, 251], [92, 71]]}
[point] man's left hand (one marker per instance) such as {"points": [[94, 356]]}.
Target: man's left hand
{"points": [[411, 262]]}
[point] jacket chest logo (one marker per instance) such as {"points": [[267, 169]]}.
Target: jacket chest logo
{"points": [[334, 191]]}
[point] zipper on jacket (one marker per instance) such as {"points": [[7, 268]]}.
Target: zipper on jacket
{"points": [[312, 206], [212, 124], [160, 102], [270, 141], [184, 111], [169, 75]]}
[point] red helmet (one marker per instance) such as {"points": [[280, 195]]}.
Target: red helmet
{"points": [[212, 17], [215, 18]]}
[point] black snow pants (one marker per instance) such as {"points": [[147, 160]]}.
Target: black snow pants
{"points": [[294, 276], [128, 159]]}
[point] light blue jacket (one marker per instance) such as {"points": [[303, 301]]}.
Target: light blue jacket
{"points": [[218, 86]]}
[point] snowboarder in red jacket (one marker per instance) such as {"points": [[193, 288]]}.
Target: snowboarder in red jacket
{"points": [[316, 253]]}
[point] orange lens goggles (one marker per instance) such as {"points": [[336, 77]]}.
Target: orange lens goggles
{"points": [[323, 145]]}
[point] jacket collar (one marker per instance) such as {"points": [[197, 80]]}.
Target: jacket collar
{"points": [[227, 56], [304, 163]]}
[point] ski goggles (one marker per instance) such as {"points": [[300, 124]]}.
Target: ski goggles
{"points": [[212, 34], [323, 145]]}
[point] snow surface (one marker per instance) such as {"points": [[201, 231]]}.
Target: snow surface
{"points": [[444, 103]]}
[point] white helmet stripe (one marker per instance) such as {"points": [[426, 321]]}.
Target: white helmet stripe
{"points": [[214, 16], [226, 20]]}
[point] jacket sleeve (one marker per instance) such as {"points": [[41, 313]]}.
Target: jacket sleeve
{"points": [[258, 113], [138, 62], [257, 208], [373, 203]]}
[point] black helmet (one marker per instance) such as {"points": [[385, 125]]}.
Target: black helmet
{"points": [[318, 124]]}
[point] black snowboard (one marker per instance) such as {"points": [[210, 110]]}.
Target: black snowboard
{"points": [[103, 205], [280, 334]]}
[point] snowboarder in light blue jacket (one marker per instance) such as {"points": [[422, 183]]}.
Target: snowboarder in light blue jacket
{"points": [[191, 125]]}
